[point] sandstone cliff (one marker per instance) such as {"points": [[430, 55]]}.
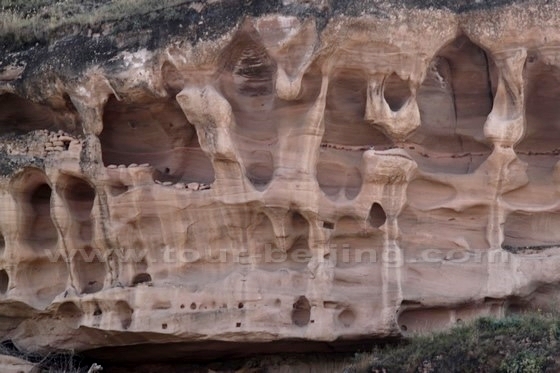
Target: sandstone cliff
{"points": [[317, 171]]}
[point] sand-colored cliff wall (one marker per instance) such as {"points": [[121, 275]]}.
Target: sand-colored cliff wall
{"points": [[360, 178]]}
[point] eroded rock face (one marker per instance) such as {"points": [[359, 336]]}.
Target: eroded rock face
{"points": [[366, 178]]}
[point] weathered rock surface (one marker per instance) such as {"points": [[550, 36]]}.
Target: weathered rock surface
{"points": [[290, 179], [11, 364]]}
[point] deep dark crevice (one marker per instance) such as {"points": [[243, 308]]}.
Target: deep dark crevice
{"points": [[455, 100], [328, 225], [4, 281], [155, 131], [142, 278], [301, 312], [377, 216], [396, 92]]}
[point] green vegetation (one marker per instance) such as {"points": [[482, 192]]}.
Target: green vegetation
{"points": [[29, 20], [517, 344]]}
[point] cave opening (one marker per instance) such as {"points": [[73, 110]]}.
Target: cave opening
{"points": [[19, 116], [539, 147], [154, 131], [42, 228], [542, 91], [32, 192], [345, 123], [79, 196], [377, 216], [396, 92], [348, 134], [40, 280], [141, 278], [455, 100], [301, 311]]}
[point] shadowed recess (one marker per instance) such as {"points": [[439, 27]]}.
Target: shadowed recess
{"points": [[542, 91], [377, 216], [4, 281], [346, 105], [247, 81], [78, 194], [90, 269], [540, 145], [124, 313], [454, 101], [155, 131], [41, 280], [32, 193], [69, 309], [301, 312], [141, 278], [529, 231], [396, 92], [19, 115], [347, 134]]}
